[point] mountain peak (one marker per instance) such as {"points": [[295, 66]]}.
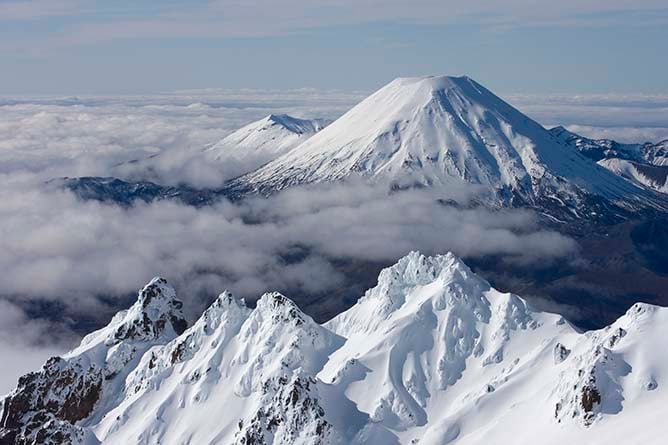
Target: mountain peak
{"points": [[453, 360], [434, 83], [156, 315], [438, 132], [407, 287], [156, 311], [281, 308], [417, 269]]}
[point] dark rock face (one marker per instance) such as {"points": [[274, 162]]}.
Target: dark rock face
{"points": [[127, 193], [158, 311], [589, 399], [46, 404], [561, 353]]}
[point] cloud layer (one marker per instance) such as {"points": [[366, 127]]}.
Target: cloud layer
{"points": [[627, 118], [99, 136], [26, 343], [59, 247]]}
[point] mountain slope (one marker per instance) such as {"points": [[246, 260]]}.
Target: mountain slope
{"points": [[439, 131], [127, 193], [432, 354]]}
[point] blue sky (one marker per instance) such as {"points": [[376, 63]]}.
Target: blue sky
{"points": [[104, 47]]}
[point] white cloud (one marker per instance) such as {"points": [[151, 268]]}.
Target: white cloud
{"points": [[622, 134], [59, 246], [95, 136]]}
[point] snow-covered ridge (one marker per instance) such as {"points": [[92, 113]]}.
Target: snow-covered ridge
{"points": [[432, 354]]}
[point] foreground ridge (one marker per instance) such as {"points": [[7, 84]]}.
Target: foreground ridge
{"points": [[432, 354]]}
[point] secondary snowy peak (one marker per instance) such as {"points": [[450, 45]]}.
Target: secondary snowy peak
{"points": [[428, 325], [260, 362], [435, 355], [431, 355], [397, 283], [436, 131], [264, 140]]}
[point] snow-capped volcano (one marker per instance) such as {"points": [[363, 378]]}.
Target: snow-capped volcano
{"points": [[431, 355], [265, 140], [435, 131]]}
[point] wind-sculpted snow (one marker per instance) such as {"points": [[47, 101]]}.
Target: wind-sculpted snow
{"points": [[431, 355]]}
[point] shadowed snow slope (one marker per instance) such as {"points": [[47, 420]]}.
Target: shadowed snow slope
{"points": [[438, 131], [431, 354]]}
